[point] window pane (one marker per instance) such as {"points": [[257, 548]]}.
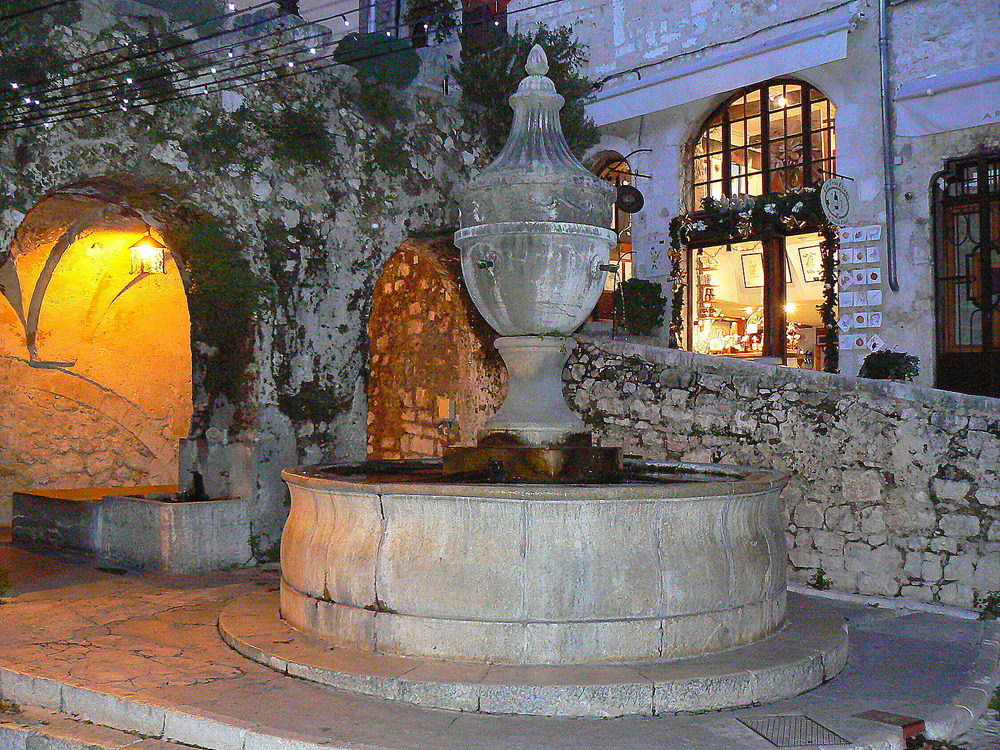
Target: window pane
{"points": [[701, 169], [793, 120], [776, 127], [737, 133], [728, 299], [715, 138]]}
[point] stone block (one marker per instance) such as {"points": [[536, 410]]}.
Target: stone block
{"points": [[946, 489], [956, 595], [989, 496], [808, 515], [179, 537], [863, 487], [960, 526], [960, 568]]}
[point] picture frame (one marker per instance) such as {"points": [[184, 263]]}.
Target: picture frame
{"points": [[753, 270], [811, 263]]}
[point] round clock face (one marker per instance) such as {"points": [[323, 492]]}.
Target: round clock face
{"points": [[836, 200]]}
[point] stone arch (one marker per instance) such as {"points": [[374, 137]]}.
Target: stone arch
{"points": [[110, 361], [435, 376]]}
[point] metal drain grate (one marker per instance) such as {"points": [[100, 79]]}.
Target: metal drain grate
{"points": [[792, 731]]}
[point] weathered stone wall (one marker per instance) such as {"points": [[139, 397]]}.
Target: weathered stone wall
{"points": [[435, 374], [281, 200], [895, 488]]}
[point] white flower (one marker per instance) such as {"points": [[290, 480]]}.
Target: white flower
{"points": [[770, 208], [699, 226], [798, 207]]}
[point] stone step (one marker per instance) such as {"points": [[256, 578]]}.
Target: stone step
{"points": [[30, 728], [810, 649]]}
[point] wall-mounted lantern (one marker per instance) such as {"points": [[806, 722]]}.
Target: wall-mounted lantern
{"points": [[148, 255]]}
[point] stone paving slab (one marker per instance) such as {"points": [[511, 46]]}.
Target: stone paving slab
{"points": [[143, 655]]}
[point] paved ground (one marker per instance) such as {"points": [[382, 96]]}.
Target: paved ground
{"points": [[142, 654]]}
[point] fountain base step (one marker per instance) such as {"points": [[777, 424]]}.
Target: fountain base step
{"points": [[810, 649]]}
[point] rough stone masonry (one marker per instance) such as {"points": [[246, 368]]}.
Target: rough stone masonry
{"points": [[895, 488]]}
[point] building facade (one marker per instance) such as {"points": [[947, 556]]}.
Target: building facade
{"points": [[734, 101]]}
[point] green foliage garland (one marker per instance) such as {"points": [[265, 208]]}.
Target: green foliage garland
{"points": [[768, 215], [488, 78]]}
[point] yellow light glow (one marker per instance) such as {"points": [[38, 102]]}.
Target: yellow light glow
{"points": [[148, 256], [748, 310], [789, 307]]}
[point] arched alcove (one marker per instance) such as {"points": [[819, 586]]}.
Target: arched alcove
{"points": [[435, 376], [95, 352]]}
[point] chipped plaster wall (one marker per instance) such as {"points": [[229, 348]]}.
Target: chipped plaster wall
{"points": [[315, 225], [624, 33], [928, 37], [894, 488]]}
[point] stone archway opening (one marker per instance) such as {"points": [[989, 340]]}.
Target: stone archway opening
{"points": [[435, 377], [95, 352]]}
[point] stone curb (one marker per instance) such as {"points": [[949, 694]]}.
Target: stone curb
{"points": [[133, 713], [973, 700], [40, 729]]}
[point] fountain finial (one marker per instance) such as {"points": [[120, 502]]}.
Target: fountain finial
{"points": [[538, 63]]}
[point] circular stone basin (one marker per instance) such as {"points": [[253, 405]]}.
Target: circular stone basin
{"points": [[678, 560]]}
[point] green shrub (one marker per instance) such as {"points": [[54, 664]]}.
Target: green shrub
{"points": [[489, 77], [889, 365], [988, 606], [819, 581], [641, 304]]}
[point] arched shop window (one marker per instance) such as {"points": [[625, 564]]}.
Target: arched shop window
{"points": [[760, 298], [748, 149], [615, 169]]}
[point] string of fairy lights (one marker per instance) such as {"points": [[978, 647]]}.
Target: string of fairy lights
{"points": [[113, 84]]}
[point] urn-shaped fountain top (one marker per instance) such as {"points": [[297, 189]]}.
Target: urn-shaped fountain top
{"points": [[536, 177]]}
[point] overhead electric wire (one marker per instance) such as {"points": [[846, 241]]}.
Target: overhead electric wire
{"points": [[201, 69], [216, 85], [36, 9], [57, 105], [161, 50], [139, 58]]}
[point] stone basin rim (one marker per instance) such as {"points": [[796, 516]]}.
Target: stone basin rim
{"points": [[534, 227], [733, 481]]}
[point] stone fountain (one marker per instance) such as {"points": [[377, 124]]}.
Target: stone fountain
{"points": [[581, 584]]}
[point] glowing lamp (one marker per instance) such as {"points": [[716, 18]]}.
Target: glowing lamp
{"points": [[148, 256]]}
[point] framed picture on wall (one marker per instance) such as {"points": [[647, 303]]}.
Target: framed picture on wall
{"points": [[753, 270], [811, 262]]}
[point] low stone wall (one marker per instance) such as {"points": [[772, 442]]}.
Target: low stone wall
{"points": [[895, 488]]}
